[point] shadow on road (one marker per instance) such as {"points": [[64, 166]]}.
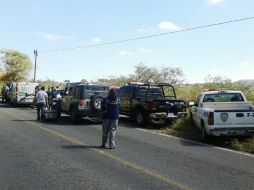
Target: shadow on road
{"points": [[23, 120], [65, 120], [129, 122], [5, 105], [79, 147]]}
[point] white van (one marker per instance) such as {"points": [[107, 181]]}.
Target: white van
{"points": [[22, 93]]}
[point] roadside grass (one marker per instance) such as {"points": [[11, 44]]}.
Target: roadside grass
{"points": [[183, 128], [245, 145]]}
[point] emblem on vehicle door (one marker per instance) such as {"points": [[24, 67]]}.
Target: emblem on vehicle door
{"points": [[224, 117]]}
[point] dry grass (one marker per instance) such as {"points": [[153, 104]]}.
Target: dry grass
{"points": [[245, 145], [182, 127]]}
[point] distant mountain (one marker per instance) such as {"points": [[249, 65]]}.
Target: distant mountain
{"points": [[249, 81]]}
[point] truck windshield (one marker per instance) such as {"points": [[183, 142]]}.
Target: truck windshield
{"points": [[223, 97]]}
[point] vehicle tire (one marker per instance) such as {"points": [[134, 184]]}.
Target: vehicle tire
{"points": [[141, 118], [74, 117], [15, 102], [168, 122], [58, 113], [191, 119], [205, 137], [96, 102]]}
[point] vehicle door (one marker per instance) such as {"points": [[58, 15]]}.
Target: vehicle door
{"points": [[194, 111], [67, 99], [76, 94], [125, 95], [21, 91]]}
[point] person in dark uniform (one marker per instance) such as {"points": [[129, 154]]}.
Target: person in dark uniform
{"points": [[110, 119]]}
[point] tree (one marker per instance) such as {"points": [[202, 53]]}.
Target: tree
{"points": [[170, 75], [49, 83], [114, 81], [66, 81], [84, 81], [16, 66], [217, 82]]}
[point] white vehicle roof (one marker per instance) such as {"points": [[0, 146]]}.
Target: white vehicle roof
{"points": [[221, 91]]}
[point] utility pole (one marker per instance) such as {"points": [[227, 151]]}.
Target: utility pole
{"points": [[35, 56]]}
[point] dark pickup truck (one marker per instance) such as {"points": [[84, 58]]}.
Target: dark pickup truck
{"points": [[150, 102]]}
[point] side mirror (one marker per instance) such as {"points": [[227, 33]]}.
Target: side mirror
{"points": [[191, 104]]}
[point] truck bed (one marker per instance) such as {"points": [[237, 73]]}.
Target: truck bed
{"points": [[228, 105]]}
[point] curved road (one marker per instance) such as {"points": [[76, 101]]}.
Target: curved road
{"points": [[59, 155]]}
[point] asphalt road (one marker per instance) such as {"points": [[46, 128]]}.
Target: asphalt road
{"points": [[59, 155]]}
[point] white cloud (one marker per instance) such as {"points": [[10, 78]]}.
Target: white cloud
{"points": [[97, 40], [170, 26], [144, 50], [216, 2], [53, 37], [125, 53]]}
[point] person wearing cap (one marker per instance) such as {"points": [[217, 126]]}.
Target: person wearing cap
{"points": [[110, 117]]}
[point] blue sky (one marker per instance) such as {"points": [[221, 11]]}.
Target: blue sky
{"points": [[225, 50]]}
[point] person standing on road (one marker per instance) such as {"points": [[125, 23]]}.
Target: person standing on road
{"points": [[110, 119], [41, 101]]}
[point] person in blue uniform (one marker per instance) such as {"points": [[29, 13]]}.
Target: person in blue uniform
{"points": [[110, 117]]}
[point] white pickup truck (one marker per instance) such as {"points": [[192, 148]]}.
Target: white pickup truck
{"points": [[218, 113]]}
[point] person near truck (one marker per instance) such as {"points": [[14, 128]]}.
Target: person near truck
{"points": [[41, 100], [110, 117], [5, 92]]}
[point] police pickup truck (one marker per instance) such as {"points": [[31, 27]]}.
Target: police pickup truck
{"points": [[219, 113]]}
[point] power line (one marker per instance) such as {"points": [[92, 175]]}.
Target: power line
{"points": [[150, 36]]}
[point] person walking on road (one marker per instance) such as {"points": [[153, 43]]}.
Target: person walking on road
{"points": [[110, 119], [41, 101]]}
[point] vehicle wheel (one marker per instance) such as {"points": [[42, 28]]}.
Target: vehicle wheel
{"points": [[168, 122], [96, 102], [15, 103], [58, 113], [74, 118], [141, 118], [204, 135], [191, 119]]}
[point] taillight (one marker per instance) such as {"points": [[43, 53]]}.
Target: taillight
{"points": [[210, 118], [153, 106], [81, 102]]}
